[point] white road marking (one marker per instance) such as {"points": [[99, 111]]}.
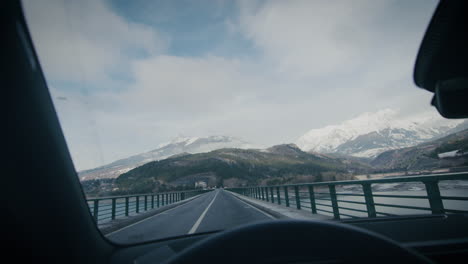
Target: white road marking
{"points": [[141, 221], [250, 206], [197, 223]]}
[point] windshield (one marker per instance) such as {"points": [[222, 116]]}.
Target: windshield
{"points": [[185, 117]]}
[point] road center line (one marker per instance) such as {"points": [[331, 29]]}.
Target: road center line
{"points": [[197, 223], [148, 218]]}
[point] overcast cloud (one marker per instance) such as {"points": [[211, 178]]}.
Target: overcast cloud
{"points": [[128, 75]]}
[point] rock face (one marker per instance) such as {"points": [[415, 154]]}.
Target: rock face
{"points": [[178, 146], [370, 134]]}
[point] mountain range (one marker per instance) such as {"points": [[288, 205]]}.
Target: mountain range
{"points": [[177, 146], [362, 138], [370, 134], [280, 164], [232, 167], [447, 152]]}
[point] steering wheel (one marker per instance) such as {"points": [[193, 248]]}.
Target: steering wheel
{"points": [[294, 241]]}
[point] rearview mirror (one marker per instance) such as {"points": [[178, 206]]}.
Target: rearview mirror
{"points": [[442, 61]]}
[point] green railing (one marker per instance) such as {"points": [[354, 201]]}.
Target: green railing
{"points": [[105, 209], [366, 200]]}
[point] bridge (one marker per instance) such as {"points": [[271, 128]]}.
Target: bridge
{"points": [[143, 217]]}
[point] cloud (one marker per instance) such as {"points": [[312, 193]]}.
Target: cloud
{"points": [[353, 54], [306, 65], [190, 85], [310, 38], [82, 40]]}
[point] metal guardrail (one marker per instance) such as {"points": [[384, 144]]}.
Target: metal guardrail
{"points": [[328, 201], [105, 209]]}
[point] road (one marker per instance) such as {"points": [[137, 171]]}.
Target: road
{"points": [[216, 210]]}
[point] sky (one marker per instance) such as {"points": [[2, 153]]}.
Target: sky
{"points": [[126, 76]]}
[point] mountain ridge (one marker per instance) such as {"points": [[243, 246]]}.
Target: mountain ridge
{"points": [[177, 146], [236, 167], [428, 155], [370, 134]]}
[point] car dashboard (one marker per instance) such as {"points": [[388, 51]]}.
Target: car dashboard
{"points": [[440, 238]]}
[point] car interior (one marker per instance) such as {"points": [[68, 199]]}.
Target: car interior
{"points": [[47, 219]]}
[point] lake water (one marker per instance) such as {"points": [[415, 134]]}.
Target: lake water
{"points": [[447, 188]]}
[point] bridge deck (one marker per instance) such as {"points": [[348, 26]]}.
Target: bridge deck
{"points": [[282, 211], [216, 210]]}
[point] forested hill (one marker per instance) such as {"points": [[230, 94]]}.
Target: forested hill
{"points": [[446, 152], [235, 167]]}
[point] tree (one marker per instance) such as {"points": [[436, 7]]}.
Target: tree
{"points": [[319, 177]]}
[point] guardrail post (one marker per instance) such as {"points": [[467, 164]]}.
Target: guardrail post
{"points": [[433, 193], [298, 198], [263, 193], [167, 199], [96, 210], [152, 201], [336, 212], [183, 196], [266, 194], [126, 206], [278, 194], [113, 209], [137, 204], [257, 195], [313, 206], [146, 202], [157, 200], [272, 195], [286, 195], [366, 187]]}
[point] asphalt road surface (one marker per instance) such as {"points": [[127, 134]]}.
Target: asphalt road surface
{"points": [[216, 210]]}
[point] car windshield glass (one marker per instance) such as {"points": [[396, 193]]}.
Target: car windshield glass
{"points": [[184, 117]]}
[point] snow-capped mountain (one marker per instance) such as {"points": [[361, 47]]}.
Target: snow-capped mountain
{"points": [[370, 134], [177, 146]]}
